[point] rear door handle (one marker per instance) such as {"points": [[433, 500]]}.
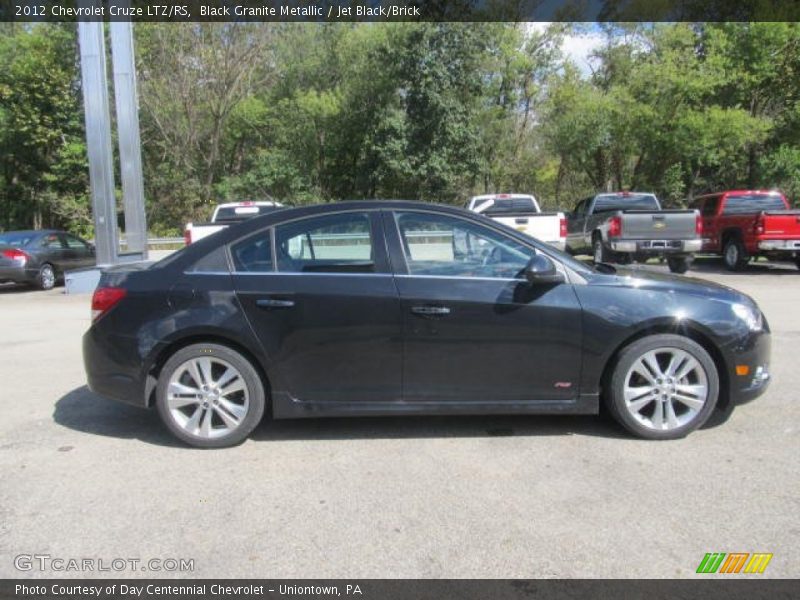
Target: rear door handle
{"points": [[272, 303], [430, 311]]}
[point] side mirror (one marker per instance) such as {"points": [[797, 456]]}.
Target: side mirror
{"points": [[541, 269]]}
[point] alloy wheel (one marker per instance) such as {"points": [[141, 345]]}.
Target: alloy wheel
{"points": [[207, 397], [665, 389]]}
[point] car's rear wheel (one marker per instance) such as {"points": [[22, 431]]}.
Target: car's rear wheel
{"points": [[663, 387], [678, 264], [599, 251], [210, 396], [734, 254], [46, 279]]}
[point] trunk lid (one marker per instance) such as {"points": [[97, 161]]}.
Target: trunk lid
{"points": [[659, 225]]}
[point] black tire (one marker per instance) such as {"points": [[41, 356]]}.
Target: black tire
{"points": [[797, 262], [46, 278], [599, 252], [678, 264], [666, 343], [253, 400], [624, 258], [734, 254]]}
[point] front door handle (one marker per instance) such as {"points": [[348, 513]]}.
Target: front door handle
{"points": [[430, 311], [272, 303]]}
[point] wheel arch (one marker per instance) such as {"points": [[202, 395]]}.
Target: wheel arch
{"points": [[163, 355], [688, 329]]}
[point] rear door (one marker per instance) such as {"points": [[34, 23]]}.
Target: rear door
{"points": [[575, 226], [53, 250], [79, 254], [319, 296], [474, 330]]}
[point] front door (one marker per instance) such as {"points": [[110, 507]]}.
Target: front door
{"points": [[325, 308], [474, 329]]}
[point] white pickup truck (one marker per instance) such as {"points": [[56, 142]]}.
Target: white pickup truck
{"points": [[522, 212], [227, 214]]}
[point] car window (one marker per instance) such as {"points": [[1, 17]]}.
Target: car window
{"points": [[75, 243], [709, 207], [51, 241], [579, 208], [748, 204], [16, 239], [440, 245], [332, 243], [611, 202], [216, 262], [253, 255]]}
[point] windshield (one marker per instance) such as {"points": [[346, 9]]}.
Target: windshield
{"points": [[743, 204], [609, 202], [501, 206], [233, 214], [18, 239]]}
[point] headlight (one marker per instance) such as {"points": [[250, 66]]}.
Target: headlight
{"points": [[750, 315]]}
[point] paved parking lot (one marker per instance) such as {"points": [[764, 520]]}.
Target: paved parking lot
{"points": [[81, 477]]}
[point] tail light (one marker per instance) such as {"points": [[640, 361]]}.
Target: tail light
{"points": [[18, 256], [104, 299], [562, 228], [759, 225], [187, 236], [698, 224], [615, 227]]}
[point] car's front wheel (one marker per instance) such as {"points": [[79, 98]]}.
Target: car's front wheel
{"points": [[663, 387], [210, 396]]}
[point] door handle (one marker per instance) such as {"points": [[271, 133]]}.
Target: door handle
{"points": [[430, 311], [272, 303]]}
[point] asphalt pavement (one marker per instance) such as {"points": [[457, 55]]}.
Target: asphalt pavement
{"points": [[459, 497]]}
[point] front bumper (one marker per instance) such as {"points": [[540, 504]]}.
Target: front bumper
{"points": [[748, 372], [657, 246], [781, 245]]}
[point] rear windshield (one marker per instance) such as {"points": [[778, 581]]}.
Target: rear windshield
{"points": [[748, 204], [18, 240], [508, 205], [233, 214], [611, 202]]}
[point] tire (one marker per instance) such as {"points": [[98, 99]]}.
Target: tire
{"points": [[678, 264], [797, 262], [213, 417], [599, 252], [734, 254], [670, 409], [46, 278]]}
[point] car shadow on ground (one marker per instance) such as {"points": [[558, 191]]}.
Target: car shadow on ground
{"points": [[83, 411]]}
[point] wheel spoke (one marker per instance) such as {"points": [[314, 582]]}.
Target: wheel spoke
{"points": [[205, 427], [194, 421], [228, 418], [236, 386], [672, 419], [176, 402], [658, 416], [677, 359], [690, 365], [640, 368], [204, 366], [651, 361], [692, 403], [228, 376], [638, 405]]}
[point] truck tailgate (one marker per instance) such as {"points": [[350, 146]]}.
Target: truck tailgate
{"points": [[659, 225], [542, 226], [781, 224]]}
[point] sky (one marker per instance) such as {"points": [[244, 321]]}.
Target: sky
{"points": [[578, 46]]}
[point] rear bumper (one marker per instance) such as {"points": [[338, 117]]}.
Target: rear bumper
{"points": [[104, 359], [781, 245], [17, 274], [657, 246]]}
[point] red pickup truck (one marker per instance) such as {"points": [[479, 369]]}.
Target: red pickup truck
{"points": [[740, 224]]}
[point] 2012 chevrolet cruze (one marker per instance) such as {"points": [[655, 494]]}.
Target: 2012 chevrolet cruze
{"points": [[379, 308]]}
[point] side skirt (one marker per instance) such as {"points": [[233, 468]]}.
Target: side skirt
{"points": [[286, 407]]}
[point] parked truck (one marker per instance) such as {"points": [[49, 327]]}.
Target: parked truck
{"points": [[626, 226], [740, 224], [522, 212], [226, 214]]}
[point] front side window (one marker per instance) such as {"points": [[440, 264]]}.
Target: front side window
{"points": [[444, 246], [338, 243]]}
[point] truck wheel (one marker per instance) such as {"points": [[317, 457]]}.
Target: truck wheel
{"points": [[734, 254], [663, 387], [601, 255], [678, 264]]}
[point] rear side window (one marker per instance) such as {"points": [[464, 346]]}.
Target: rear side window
{"points": [[339, 243], [749, 204], [253, 255], [708, 207]]}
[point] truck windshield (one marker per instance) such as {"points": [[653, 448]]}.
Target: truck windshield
{"points": [[609, 202], [744, 204], [234, 214], [503, 206]]}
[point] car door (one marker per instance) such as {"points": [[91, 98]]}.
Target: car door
{"points": [[320, 297], [79, 254], [54, 251], [575, 225], [475, 331]]}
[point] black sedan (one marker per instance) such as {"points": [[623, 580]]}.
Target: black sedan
{"points": [[40, 257], [398, 308]]}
